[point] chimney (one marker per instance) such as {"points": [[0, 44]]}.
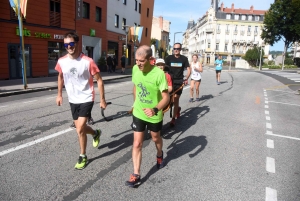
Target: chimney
{"points": [[160, 22], [232, 7], [251, 9], [222, 7]]}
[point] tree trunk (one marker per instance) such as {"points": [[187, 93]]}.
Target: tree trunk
{"points": [[283, 56]]}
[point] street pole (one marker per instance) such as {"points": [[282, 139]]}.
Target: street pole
{"points": [[175, 35], [260, 58]]}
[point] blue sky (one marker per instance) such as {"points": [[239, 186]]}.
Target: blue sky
{"points": [[179, 12]]}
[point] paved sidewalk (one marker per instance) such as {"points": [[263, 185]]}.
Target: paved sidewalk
{"points": [[14, 87]]}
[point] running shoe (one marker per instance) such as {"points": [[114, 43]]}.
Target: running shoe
{"points": [[73, 125], [172, 122], [160, 161], [191, 100], [134, 181], [219, 83], [96, 138], [197, 99], [82, 162], [178, 112], [91, 121]]}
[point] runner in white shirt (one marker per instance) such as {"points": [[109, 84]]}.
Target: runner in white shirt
{"points": [[76, 72], [196, 68]]}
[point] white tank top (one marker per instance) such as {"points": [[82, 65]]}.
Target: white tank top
{"points": [[195, 75]]}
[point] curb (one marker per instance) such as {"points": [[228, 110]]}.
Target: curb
{"points": [[11, 93]]}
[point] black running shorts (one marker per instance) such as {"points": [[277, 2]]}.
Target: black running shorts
{"points": [[139, 125], [81, 109], [218, 71]]}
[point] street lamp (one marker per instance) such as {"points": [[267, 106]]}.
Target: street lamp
{"points": [[260, 57], [126, 29], [175, 35]]}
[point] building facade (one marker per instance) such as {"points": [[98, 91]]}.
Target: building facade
{"points": [[48, 20], [161, 32], [227, 32]]}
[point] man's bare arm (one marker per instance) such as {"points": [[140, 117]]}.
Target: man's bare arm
{"points": [[60, 84], [100, 85]]}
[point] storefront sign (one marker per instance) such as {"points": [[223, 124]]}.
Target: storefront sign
{"points": [[27, 33], [56, 36], [92, 32], [79, 9]]}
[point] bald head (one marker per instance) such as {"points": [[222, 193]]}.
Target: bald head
{"points": [[144, 51]]}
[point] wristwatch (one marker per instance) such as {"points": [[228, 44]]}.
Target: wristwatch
{"points": [[155, 110]]}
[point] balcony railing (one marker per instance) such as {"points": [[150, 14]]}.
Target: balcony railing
{"points": [[226, 41], [209, 30], [217, 40], [234, 41], [227, 32], [255, 33], [235, 32], [248, 33], [242, 33], [208, 40], [218, 31]]}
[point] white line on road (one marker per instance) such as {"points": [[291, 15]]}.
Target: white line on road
{"points": [[4, 106], [30, 101], [280, 91], [283, 103], [267, 112], [270, 165], [269, 125], [270, 144], [51, 97], [268, 118], [271, 194], [283, 136], [266, 106], [34, 142], [266, 102], [266, 95]]}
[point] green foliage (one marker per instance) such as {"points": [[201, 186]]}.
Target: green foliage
{"points": [[252, 56], [153, 41], [281, 22], [288, 61], [279, 67], [101, 61], [271, 62]]}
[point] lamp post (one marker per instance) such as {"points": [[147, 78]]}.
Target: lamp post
{"points": [[126, 29], [260, 57], [175, 35]]}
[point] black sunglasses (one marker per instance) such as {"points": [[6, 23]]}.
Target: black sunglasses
{"points": [[72, 44], [177, 48]]}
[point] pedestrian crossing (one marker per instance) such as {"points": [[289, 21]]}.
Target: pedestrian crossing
{"points": [[291, 76]]}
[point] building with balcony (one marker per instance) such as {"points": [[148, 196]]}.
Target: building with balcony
{"points": [[228, 32], [98, 24]]}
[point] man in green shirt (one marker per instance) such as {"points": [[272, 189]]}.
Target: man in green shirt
{"points": [[150, 97]]}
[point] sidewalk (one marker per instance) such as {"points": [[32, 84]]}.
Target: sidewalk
{"points": [[14, 87]]}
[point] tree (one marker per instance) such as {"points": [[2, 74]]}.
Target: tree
{"points": [[282, 23], [252, 56]]}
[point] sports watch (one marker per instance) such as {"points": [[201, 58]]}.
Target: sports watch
{"points": [[155, 110]]}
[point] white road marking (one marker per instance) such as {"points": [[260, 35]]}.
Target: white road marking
{"points": [[270, 144], [283, 103], [266, 95], [270, 165], [30, 101], [269, 132], [266, 106], [266, 102], [269, 125], [280, 91], [283, 136], [51, 97], [4, 106], [271, 194], [268, 118], [34, 142], [267, 112]]}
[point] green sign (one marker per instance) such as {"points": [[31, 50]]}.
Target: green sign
{"points": [[27, 33], [92, 32]]}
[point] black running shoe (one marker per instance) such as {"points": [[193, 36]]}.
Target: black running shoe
{"points": [[160, 161], [134, 181], [73, 125]]}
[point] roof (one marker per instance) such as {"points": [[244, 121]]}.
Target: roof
{"points": [[245, 11]]}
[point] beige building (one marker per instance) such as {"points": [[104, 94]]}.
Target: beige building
{"points": [[160, 30], [223, 31]]}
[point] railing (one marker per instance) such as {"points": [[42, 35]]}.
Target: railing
{"points": [[208, 40], [208, 30], [235, 32], [217, 40], [218, 31], [226, 41], [255, 33], [227, 32], [242, 33], [234, 41], [248, 33]]}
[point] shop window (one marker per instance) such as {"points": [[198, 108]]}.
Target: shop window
{"points": [[86, 10], [55, 13], [98, 14], [55, 51]]}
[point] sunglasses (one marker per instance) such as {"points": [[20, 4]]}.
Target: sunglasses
{"points": [[72, 44], [177, 48]]}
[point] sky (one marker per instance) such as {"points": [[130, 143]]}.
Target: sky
{"points": [[179, 12]]}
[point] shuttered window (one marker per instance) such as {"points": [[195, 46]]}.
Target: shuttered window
{"points": [[55, 13]]}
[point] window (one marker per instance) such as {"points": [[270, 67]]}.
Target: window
{"points": [[250, 18], [236, 27], [86, 10], [135, 6], [140, 7], [123, 23], [98, 14], [218, 27], [146, 32], [228, 16], [208, 45], [117, 21], [257, 18], [124, 2], [217, 47], [226, 47], [243, 17], [236, 17], [147, 12], [227, 27], [55, 13], [249, 28]]}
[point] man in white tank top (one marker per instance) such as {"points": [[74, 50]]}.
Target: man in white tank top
{"points": [[76, 72], [196, 68]]}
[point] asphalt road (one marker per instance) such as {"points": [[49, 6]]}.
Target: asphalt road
{"points": [[240, 142]]}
